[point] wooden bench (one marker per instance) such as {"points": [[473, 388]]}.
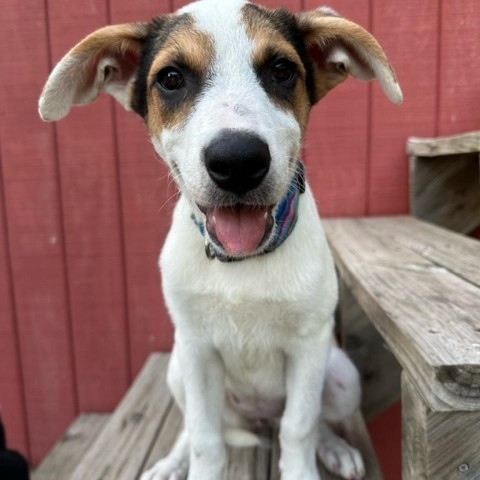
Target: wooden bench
{"points": [[419, 285]]}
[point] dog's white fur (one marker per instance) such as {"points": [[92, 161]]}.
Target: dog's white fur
{"points": [[258, 328], [252, 338]]}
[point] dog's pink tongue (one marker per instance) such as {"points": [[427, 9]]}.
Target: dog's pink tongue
{"points": [[240, 229]]}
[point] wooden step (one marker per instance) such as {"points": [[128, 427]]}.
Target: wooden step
{"points": [[420, 286], [143, 428], [444, 174], [70, 449]]}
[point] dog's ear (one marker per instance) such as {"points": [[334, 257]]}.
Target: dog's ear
{"points": [[107, 60], [340, 47]]}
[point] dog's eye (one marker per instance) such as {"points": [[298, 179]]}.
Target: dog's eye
{"points": [[170, 79], [283, 71]]}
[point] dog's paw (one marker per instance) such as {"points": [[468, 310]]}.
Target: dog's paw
{"points": [[341, 459], [167, 469]]}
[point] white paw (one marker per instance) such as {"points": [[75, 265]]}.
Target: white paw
{"points": [[167, 469], [341, 459]]}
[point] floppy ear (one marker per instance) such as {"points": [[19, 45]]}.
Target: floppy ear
{"points": [[340, 47], [107, 60]]}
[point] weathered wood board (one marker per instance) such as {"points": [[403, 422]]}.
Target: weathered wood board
{"points": [[445, 180], [425, 308], [379, 369], [119, 452], [70, 449], [438, 445], [448, 145]]}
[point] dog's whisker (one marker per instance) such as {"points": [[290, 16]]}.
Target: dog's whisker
{"points": [[168, 201]]}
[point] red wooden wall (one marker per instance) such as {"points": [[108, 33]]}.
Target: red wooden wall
{"points": [[85, 203]]}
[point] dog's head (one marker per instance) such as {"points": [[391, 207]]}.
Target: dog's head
{"points": [[225, 88]]}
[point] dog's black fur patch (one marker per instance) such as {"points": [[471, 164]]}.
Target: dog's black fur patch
{"points": [[162, 27], [159, 30], [285, 22]]}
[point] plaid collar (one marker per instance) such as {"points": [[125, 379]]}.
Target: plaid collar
{"points": [[285, 220]]}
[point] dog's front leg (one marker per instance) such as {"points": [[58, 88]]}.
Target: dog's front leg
{"points": [[305, 374], [204, 403]]}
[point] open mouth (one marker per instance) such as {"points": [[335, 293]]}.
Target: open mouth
{"points": [[239, 229]]}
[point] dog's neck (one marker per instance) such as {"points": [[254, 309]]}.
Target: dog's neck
{"points": [[285, 220]]}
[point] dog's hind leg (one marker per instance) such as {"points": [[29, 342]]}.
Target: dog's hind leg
{"points": [[342, 390], [341, 398]]}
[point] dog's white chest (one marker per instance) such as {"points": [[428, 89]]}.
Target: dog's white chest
{"points": [[249, 339], [250, 311]]}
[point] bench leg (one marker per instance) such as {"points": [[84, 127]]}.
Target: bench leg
{"points": [[438, 445], [379, 370]]}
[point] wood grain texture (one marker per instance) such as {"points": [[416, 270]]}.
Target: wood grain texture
{"points": [[444, 178], [456, 253], [438, 445], [445, 190], [70, 449], [166, 437], [336, 144], [407, 33], [35, 230], [379, 370], [425, 312], [414, 441], [120, 451], [448, 145], [459, 58]]}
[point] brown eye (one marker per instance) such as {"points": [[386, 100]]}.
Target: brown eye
{"points": [[170, 79], [283, 71]]}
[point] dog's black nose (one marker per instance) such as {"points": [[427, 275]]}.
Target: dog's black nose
{"points": [[237, 161]]}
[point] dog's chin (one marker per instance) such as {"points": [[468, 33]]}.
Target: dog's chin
{"points": [[239, 230]]}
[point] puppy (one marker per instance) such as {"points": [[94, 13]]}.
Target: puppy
{"points": [[225, 89]]}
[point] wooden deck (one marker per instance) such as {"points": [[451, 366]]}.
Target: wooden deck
{"points": [[143, 429]]}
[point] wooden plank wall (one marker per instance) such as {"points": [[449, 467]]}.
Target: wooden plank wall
{"points": [[85, 204]]}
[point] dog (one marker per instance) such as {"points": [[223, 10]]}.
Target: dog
{"points": [[225, 89]]}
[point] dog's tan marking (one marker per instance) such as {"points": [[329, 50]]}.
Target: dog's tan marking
{"points": [[115, 38], [322, 30], [266, 38], [106, 60], [190, 48]]}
